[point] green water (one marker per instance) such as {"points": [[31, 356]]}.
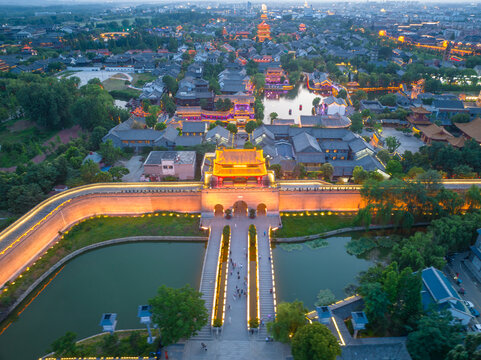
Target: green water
{"points": [[113, 279], [119, 278], [303, 271]]}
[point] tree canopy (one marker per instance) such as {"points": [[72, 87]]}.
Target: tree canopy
{"points": [[179, 313], [315, 341]]}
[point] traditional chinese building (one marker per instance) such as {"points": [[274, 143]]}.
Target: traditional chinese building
{"points": [[263, 31], [419, 116], [237, 167], [302, 27], [241, 112]]}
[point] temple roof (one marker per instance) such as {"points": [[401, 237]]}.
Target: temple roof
{"points": [[472, 129], [420, 110], [239, 162]]}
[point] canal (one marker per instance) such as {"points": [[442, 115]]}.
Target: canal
{"points": [[112, 279], [302, 270], [282, 102]]}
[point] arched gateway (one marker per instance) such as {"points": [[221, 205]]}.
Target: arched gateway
{"points": [[261, 210], [240, 208]]}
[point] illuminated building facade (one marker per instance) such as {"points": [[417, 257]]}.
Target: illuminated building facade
{"points": [[237, 167], [263, 31]]}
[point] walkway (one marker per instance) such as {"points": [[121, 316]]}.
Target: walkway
{"points": [[209, 271], [235, 342], [266, 281], [235, 325]]}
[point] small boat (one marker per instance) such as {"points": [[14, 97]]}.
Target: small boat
{"points": [[290, 111], [300, 107]]}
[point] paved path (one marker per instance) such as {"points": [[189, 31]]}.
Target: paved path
{"points": [[266, 281], [235, 325], [209, 271]]}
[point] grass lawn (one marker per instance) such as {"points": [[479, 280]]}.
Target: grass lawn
{"points": [[97, 230], [124, 343], [301, 224], [138, 80], [114, 84]]}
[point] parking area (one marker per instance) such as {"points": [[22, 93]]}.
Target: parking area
{"points": [[408, 141], [471, 286]]}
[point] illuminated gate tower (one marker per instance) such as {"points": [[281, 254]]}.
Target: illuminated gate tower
{"points": [[238, 167]]}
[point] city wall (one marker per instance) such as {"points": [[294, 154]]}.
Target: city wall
{"points": [[76, 208]]}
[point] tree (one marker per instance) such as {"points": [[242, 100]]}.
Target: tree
{"points": [[388, 100], [118, 172], [315, 341], [232, 128], [316, 101], [461, 118], [342, 94], [22, 198], [469, 350], [392, 143], [273, 115], [418, 252], [151, 120], [65, 345], [109, 152], [384, 156], [168, 105], [327, 171], [160, 126], [435, 336], [289, 317], [88, 171], [376, 304], [96, 137], [356, 122], [250, 126], [248, 145], [325, 297], [359, 175], [394, 168], [299, 171], [171, 84], [278, 170], [179, 313]]}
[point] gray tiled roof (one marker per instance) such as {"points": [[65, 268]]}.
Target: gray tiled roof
{"points": [[179, 157], [396, 351], [305, 141]]}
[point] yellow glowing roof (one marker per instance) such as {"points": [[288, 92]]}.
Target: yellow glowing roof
{"points": [[239, 162]]}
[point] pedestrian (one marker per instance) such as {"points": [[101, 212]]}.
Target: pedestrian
{"points": [[271, 290], [264, 233], [238, 277], [269, 258], [241, 266]]}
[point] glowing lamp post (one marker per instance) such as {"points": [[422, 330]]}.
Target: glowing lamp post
{"points": [[145, 317]]}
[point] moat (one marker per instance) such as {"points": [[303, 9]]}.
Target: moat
{"points": [[119, 278]]}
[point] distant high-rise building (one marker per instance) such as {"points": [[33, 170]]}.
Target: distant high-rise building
{"points": [[249, 6], [264, 8], [305, 4]]}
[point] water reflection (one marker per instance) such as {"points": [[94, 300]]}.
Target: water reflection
{"points": [[297, 100]]}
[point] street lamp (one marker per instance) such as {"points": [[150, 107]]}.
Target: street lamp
{"points": [[145, 317]]}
